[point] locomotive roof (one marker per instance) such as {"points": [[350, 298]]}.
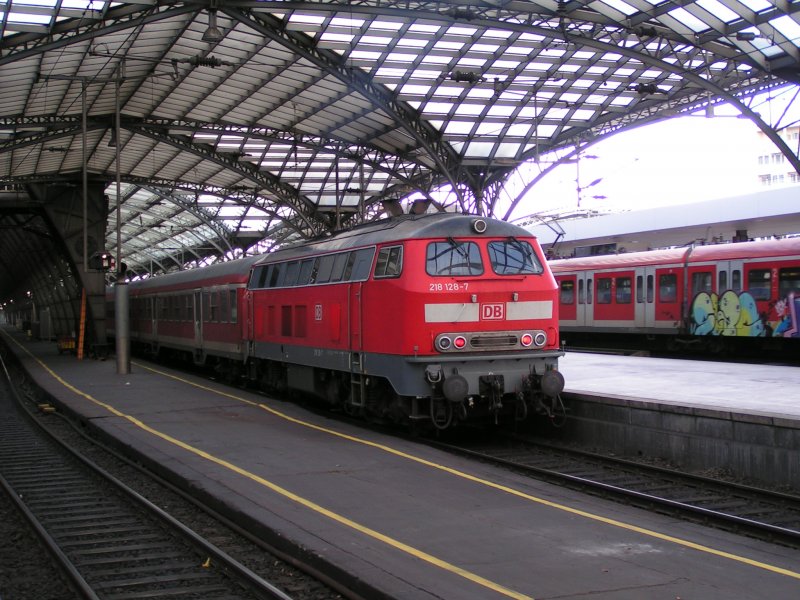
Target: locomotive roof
{"points": [[394, 229], [698, 254]]}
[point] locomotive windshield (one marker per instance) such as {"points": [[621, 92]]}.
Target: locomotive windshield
{"points": [[514, 257], [452, 257]]}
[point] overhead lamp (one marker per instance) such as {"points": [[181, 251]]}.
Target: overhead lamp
{"points": [[746, 36], [112, 141], [213, 33]]}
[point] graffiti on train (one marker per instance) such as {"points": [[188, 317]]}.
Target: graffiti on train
{"points": [[736, 314]]}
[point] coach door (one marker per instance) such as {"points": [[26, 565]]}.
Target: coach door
{"points": [[645, 313], [198, 319], [585, 310], [729, 276]]}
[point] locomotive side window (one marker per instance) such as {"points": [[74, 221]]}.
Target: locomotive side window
{"points": [[604, 290], [339, 263], [623, 295], [292, 271], [758, 283], [453, 258], [513, 257], [325, 268], [306, 267], [788, 282], [567, 292], [668, 288], [390, 262], [359, 264]]}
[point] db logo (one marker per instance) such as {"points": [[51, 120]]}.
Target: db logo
{"points": [[493, 312]]}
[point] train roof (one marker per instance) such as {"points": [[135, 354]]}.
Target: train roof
{"points": [[394, 229], [696, 254], [231, 271]]}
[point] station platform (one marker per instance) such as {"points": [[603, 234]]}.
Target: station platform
{"points": [[405, 521]]}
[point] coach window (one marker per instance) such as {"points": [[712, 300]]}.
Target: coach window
{"points": [[189, 307], [650, 290], [668, 288], [604, 290], [736, 280], [623, 294], [451, 257], [389, 263], [567, 292], [589, 292], [514, 257], [234, 307], [224, 307], [639, 289], [581, 292], [701, 282], [788, 282], [758, 283], [722, 282]]}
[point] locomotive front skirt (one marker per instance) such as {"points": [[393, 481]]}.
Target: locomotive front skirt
{"points": [[432, 319]]}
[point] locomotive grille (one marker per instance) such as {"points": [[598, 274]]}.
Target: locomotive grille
{"points": [[481, 342]]}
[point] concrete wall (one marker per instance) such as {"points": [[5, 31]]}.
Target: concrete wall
{"points": [[759, 450]]}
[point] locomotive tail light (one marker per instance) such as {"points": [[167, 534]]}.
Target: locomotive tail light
{"points": [[540, 339], [526, 339], [460, 342], [444, 343]]}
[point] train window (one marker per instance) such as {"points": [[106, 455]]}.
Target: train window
{"points": [[292, 271], [668, 288], [234, 307], [736, 280], [258, 277], [722, 283], [604, 290], [215, 307], [701, 282], [189, 308], [206, 307], [325, 268], [758, 283], [389, 263], [623, 294], [359, 264], [581, 293], [788, 282], [304, 278], [224, 307], [514, 257], [567, 292], [639, 289], [589, 293], [650, 290], [339, 263], [450, 258]]}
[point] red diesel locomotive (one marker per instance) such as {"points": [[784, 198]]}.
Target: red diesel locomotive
{"points": [[718, 297], [432, 319]]}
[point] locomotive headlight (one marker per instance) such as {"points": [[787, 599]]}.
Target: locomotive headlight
{"points": [[526, 339], [540, 339], [460, 342], [479, 226], [444, 343]]}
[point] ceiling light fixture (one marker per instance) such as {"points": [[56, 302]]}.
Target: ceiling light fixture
{"points": [[213, 33]]}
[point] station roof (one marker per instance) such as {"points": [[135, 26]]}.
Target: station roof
{"points": [[244, 124]]}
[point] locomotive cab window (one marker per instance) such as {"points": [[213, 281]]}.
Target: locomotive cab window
{"points": [[514, 257], [452, 257], [390, 262]]}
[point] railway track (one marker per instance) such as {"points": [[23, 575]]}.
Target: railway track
{"points": [[114, 544], [761, 513]]}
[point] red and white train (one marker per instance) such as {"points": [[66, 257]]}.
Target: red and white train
{"points": [[432, 319], [717, 293]]}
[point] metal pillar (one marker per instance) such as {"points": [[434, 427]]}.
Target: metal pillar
{"points": [[122, 328]]}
